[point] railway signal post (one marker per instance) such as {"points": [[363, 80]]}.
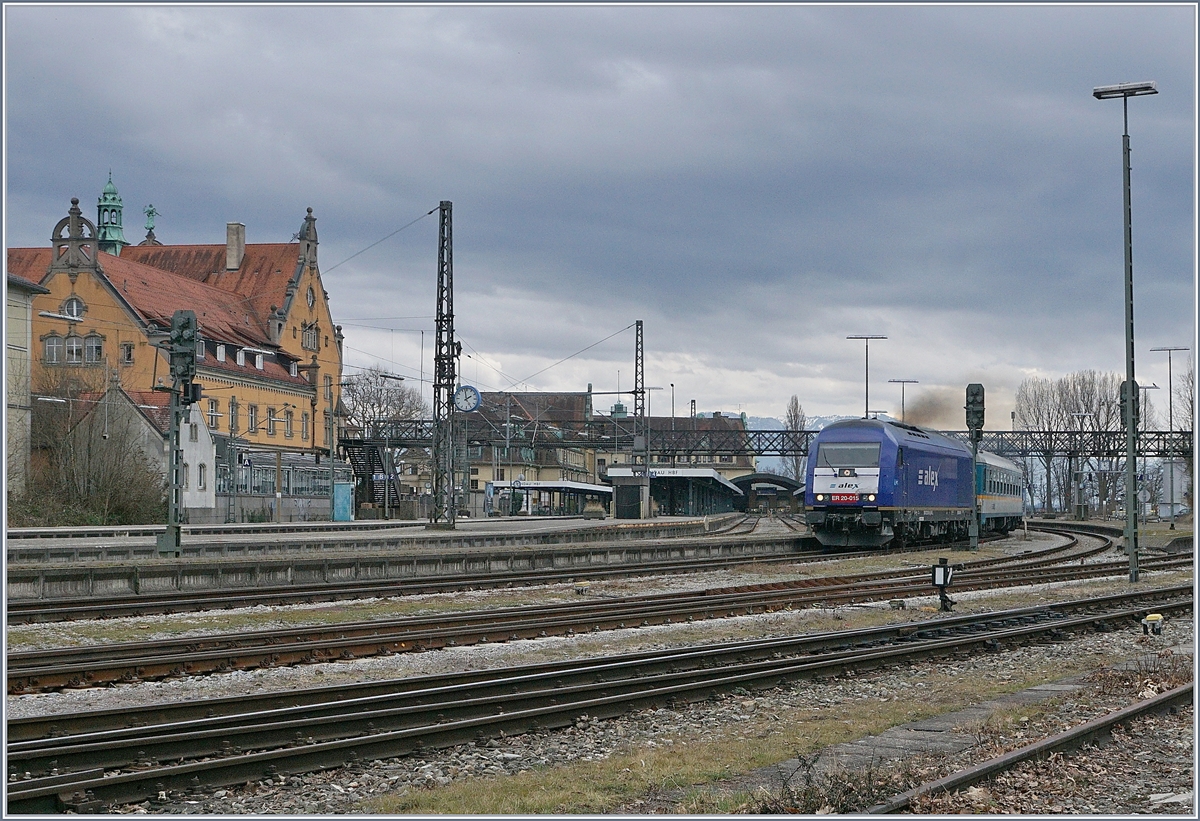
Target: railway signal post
{"points": [[942, 574], [181, 354], [974, 408]]}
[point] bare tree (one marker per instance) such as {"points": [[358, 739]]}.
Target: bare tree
{"points": [[374, 396], [89, 462], [794, 419]]}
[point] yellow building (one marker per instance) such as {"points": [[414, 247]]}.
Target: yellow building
{"points": [[270, 358]]}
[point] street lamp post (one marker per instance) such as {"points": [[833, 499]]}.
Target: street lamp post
{"points": [[1171, 426], [1144, 415], [1124, 91], [866, 338], [1078, 472], [903, 382]]}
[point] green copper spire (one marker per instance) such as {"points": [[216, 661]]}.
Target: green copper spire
{"points": [[109, 234]]}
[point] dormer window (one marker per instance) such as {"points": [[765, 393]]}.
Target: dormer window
{"points": [[220, 353], [258, 361], [294, 370], [241, 357], [199, 348]]}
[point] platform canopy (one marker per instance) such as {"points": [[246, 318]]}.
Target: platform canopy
{"points": [[679, 473]]}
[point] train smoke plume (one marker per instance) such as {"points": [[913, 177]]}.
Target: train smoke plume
{"points": [[937, 408]]}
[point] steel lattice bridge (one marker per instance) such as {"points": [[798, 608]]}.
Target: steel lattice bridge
{"points": [[613, 435]]}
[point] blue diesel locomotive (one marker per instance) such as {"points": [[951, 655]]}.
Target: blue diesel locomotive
{"points": [[872, 482]]}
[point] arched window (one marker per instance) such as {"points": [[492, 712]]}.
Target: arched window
{"points": [[202, 477], [52, 348], [74, 349], [185, 475], [93, 349]]}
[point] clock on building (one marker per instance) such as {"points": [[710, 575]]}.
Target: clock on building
{"points": [[467, 399]]}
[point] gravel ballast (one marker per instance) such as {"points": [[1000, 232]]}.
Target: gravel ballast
{"points": [[353, 789]]}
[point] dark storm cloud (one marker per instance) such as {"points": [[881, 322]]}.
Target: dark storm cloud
{"points": [[754, 182]]}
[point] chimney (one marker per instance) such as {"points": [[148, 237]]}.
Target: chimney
{"points": [[235, 245]]}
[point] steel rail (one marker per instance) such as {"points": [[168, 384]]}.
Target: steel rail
{"points": [[24, 611], [455, 719], [94, 665], [1068, 740]]}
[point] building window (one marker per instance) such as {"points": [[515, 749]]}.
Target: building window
{"points": [[270, 421], [93, 349], [199, 348], [74, 350], [126, 353], [601, 462], [53, 349], [233, 415], [294, 369], [474, 471], [220, 353], [258, 361], [213, 414], [289, 418], [202, 477], [500, 474], [329, 387], [241, 357], [304, 426], [74, 307], [252, 418], [193, 432], [311, 338], [474, 484], [185, 475]]}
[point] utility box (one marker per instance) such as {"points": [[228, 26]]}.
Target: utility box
{"points": [[343, 502]]}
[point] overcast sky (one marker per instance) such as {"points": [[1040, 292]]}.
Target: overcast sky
{"points": [[755, 183]]}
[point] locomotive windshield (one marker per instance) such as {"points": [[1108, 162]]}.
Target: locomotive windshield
{"points": [[848, 455]]}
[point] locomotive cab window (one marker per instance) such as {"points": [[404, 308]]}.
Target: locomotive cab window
{"points": [[848, 455]]}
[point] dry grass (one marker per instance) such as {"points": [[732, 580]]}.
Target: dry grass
{"points": [[684, 763]]}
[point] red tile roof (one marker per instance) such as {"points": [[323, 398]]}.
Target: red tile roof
{"points": [[154, 405], [29, 263], [156, 294], [261, 280]]}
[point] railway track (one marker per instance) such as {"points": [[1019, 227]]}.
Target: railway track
{"points": [[26, 611], [49, 669], [1069, 740], [168, 750]]}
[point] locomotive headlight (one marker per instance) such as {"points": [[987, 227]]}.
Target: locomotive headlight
{"points": [[870, 497], [820, 497]]}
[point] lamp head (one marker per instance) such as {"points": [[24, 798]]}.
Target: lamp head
{"points": [[1125, 90]]}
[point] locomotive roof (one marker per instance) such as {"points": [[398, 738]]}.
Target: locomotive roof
{"points": [[897, 432]]}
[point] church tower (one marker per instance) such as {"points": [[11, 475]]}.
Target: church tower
{"points": [[109, 234]]}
